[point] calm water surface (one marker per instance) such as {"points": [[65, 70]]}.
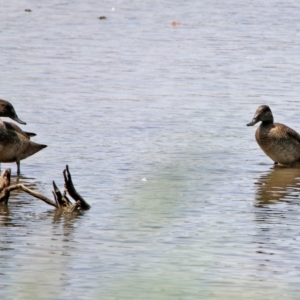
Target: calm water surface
{"points": [[151, 119]]}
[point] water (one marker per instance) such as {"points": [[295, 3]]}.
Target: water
{"points": [[151, 119]]}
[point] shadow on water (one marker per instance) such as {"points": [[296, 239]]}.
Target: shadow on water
{"points": [[278, 184]]}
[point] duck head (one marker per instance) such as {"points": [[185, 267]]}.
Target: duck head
{"points": [[264, 114], [7, 110]]}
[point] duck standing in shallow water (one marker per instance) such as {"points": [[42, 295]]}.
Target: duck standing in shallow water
{"points": [[280, 142], [15, 144]]}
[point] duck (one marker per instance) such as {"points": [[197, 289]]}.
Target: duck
{"points": [[15, 144], [278, 141]]}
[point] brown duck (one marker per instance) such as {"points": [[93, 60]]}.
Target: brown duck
{"points": [[15, 143], [280, 142]]}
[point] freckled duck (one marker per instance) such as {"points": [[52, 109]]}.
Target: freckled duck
{"points": [[14, 143], [280, 142]]}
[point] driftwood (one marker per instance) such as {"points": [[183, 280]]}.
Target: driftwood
{"points": [[61, 201]]}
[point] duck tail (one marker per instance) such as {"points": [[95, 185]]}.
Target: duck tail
{"points": [[34, 148]]}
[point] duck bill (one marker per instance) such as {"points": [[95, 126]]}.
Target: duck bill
{"points": [[253, 122], [15, 118]]}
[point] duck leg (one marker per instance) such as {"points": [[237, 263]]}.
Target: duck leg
{"points": [[18, 166]]}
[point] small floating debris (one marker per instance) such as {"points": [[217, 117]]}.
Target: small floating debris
{"points": [[102, 18], [144, 179], [174, 23], [28, 10]]}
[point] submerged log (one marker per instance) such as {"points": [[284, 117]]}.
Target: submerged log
{"points": [[61, 201]]}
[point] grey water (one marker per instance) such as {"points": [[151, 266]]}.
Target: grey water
{"points": [[151, 119]]}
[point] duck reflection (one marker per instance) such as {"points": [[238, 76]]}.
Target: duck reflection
{"points": [[279, 184]]}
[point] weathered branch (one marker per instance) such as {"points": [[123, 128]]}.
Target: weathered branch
{"points": [[37, 195], [5, 179], [4, 184], [30, 192], [72, 191], [60, 200]]}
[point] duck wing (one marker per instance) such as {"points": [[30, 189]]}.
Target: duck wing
{"points": [[294, 135], [16, 128]]}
